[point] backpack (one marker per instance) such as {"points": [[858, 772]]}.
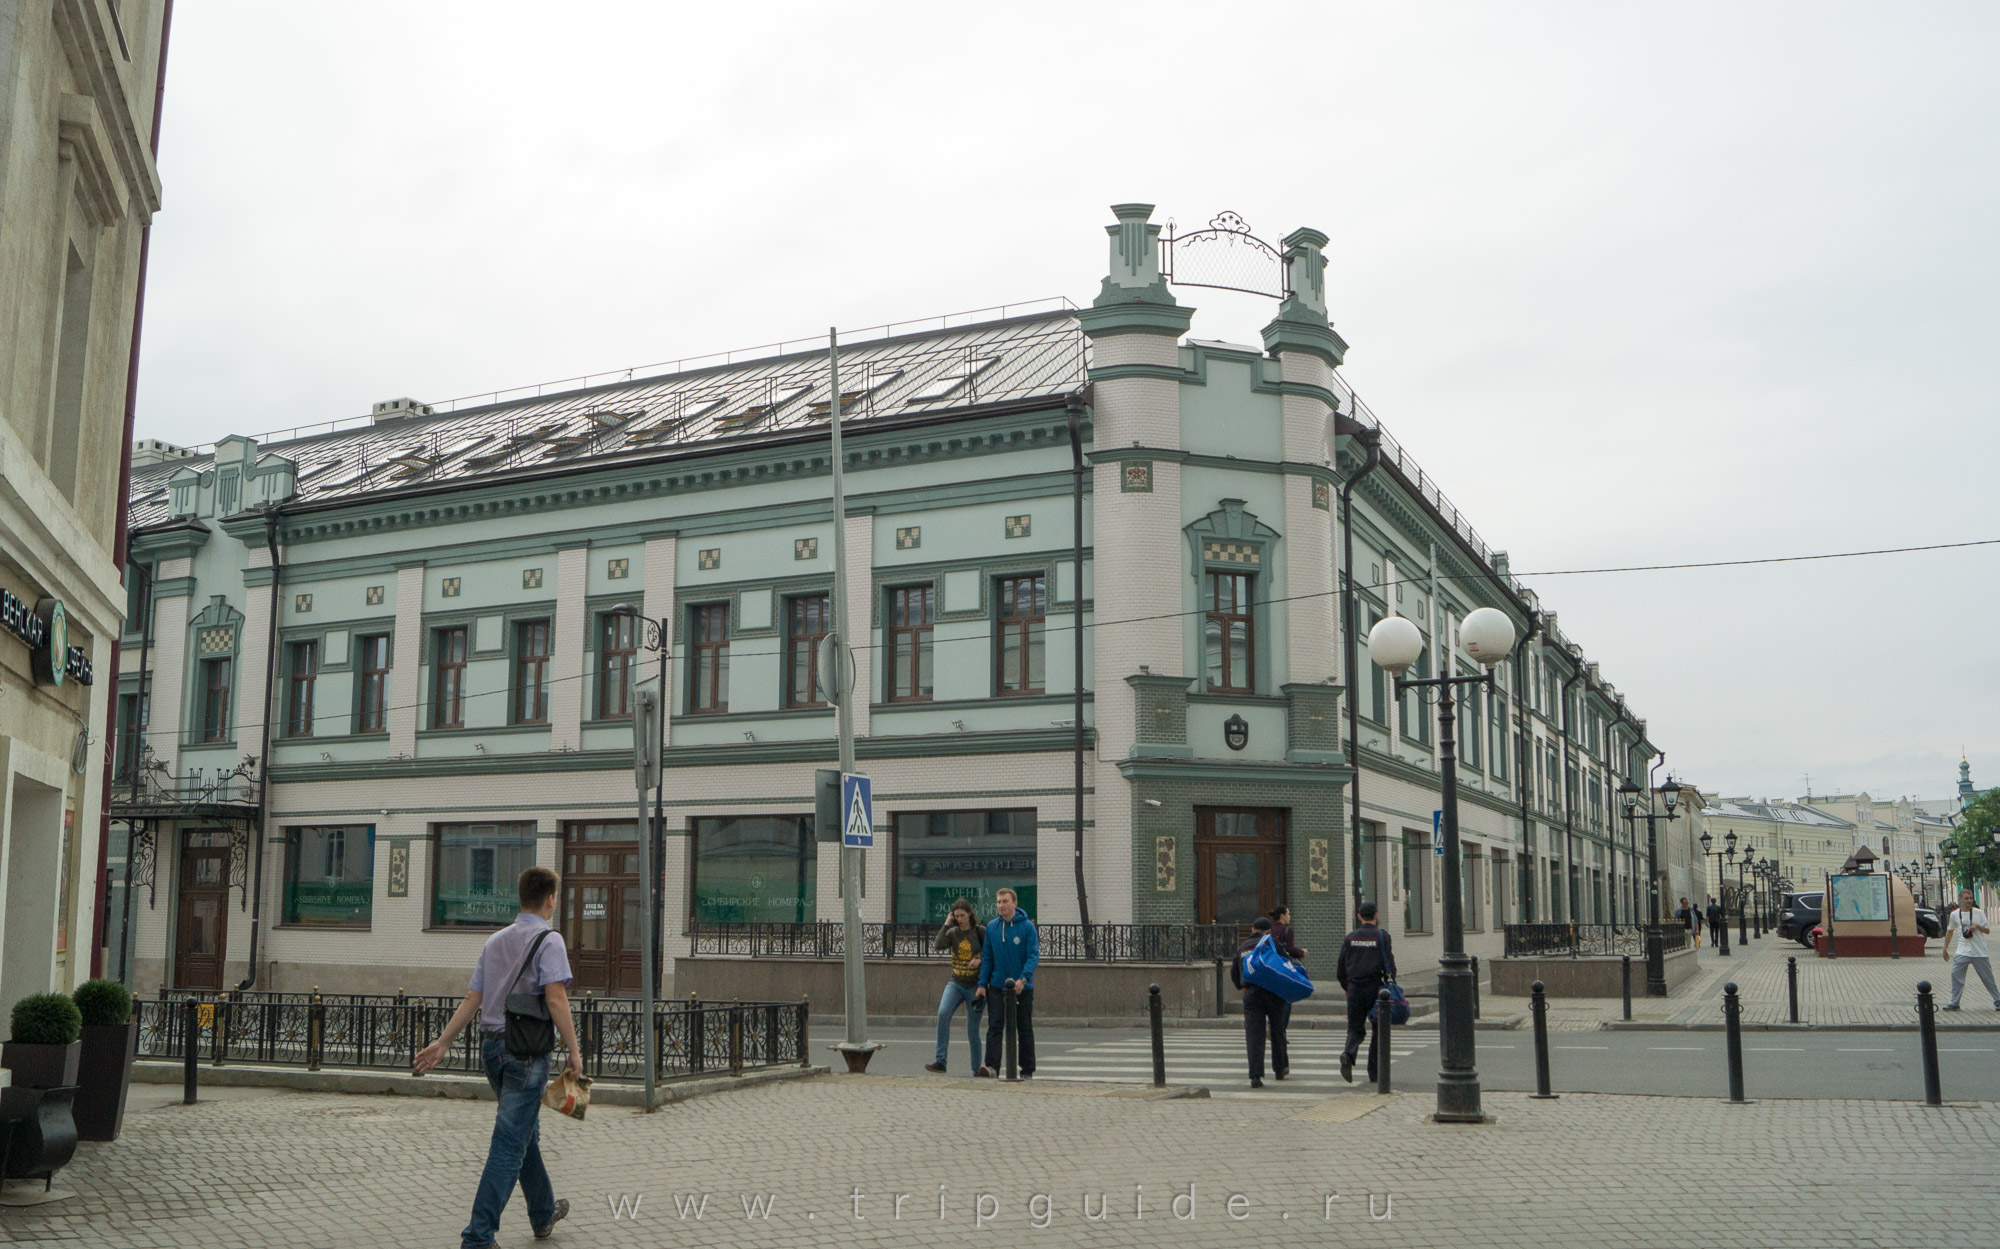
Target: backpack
{"points": [[1399, 1006], [1268, 969]]}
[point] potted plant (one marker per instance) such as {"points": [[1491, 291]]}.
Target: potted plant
{"points": [[110, 1043], [43, 1051]]}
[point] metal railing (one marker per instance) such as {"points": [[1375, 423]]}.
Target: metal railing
{"points": [[1060, 943], [1587, 940], [385, 1031]]}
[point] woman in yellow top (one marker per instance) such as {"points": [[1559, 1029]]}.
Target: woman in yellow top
{"points": [[963, 936]]}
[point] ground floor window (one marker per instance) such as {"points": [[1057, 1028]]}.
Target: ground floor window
{"points": [[942, 856], [329, 875], [760, 869], [475, 868]]}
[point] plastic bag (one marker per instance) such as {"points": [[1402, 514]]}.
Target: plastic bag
{"points": [[568, 1094]]}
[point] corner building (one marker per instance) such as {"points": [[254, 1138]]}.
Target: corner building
{"points": [[420, 606]]}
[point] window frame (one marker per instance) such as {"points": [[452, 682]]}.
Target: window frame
{"points": [[909, 643], [215, 698], [713, 700], [503, 889], [1243, 611], [1030, 631], [617, 666], [529, 670], [443, 662], [292, 837], [798, 613], [898, 837], [809, 854], [301, 686], [368, 677]]}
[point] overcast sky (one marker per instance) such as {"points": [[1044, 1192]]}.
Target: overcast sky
{"points": [[1636, 285]]}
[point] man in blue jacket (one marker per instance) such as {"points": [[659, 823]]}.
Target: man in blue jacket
{"points": [[1008, 962]]}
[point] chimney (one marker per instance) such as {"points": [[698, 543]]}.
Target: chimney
{"points": [[156, 451], [1500, 565], [399, 409]]}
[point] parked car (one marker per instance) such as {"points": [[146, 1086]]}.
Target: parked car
{"points": [[1800, 915]]}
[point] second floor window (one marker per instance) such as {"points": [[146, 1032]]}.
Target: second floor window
{"points": [[1020, 616], [531, 671], [1230, 644], [618, 642], [912, 609], [215, 699], [448, 685], [805, 625], [372, 711], [708, 645], [302, 662]]}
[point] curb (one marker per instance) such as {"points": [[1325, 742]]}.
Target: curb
{"points": [[602, 1093], [1619, 1025]]}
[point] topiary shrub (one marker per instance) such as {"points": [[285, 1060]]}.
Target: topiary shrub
{"points": [[103, 1002], [46, 1019]]}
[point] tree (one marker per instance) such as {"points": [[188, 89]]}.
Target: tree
{"points": [[1978, 859]]}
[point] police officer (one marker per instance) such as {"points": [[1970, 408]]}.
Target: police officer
{"points": [[1365, 960], [1263, 1011]]}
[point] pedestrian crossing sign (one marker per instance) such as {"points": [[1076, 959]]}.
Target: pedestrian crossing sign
{"points": [[857, 799]]}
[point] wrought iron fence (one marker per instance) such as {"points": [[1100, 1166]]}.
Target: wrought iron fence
{"points": [[385, 1031], [1586, 940], [1060, 943]]}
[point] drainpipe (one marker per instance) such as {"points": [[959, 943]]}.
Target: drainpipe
{"points": [[148, 573], [1371, 442], [1521, 778], [1569, 802], [120, 538], [1074, 410], [271, 514]]}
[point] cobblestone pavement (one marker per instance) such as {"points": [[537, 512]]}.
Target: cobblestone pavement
{"points": [[1842, 992], [823, 1162]]}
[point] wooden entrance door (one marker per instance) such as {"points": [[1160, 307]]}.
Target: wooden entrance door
{"points": [[201, 929], [1239, 863], [603, 918]]}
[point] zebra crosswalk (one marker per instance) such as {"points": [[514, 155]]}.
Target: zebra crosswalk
{"points": [[1217, 1059]]}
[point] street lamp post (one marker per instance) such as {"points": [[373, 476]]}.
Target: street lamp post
{"points": [[649, 738], [1742, 916], [1656, 958], [1728, 841], [1394, 644], [657, 634]]}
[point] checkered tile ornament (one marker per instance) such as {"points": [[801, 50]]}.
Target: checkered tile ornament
{"points": [[1020, 526], [1230, 553], [709, 559], [218, 641]]}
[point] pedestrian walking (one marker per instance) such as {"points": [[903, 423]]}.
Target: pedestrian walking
{"points": [[527, 957], [1716, 920], [1264, 1012], [1281, 936], [1366, 960], [1967, 927], [1686, 916], [963, 936], [1008, 961]]}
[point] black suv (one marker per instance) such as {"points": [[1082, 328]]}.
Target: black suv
{"points": [[1800, 915]]}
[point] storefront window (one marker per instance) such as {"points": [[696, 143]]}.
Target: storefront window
{"points": [[945, 855], [330, 875], [476, 870], [760, 869]]}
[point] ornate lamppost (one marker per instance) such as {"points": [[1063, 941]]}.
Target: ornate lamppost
{"points": [[1719, 856], [1670, 793]]}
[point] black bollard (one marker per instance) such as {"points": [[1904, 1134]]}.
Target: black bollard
{"points": [[1742, 926], [1382, 1026], [1475, 986], [191, 1039], [1538, 1005], [1792, 983], [1159, 1039], [1732, 1017], [1008, 1041], [1626, 960], [1927, 1032]]}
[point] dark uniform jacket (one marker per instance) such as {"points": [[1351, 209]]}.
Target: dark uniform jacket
{"points": [[1365, 955]]}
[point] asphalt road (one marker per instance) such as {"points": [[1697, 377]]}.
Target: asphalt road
{"points": [[1882, 1065]]}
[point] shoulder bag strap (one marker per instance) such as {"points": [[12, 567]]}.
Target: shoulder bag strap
{"points": [[529, 960]]}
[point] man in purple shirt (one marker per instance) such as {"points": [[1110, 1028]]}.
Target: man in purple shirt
{"points": [[515, 1153]]}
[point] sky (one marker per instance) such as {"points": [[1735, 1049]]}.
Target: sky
{"points": [[1636, 284]]}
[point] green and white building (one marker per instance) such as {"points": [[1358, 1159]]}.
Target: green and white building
{"points": [[385, 671]]}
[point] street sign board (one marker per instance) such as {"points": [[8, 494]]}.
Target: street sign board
{"points": [[857, 799], [1437, 832]]}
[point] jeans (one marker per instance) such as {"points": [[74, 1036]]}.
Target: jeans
{"points": [[1024, 1028], [1983, 966], [516, 1151], [1264, 1011], [1362, 998], [975, 1009]]}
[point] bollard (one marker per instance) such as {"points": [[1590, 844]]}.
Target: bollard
{"points": [[1927, 1034], [1792, 983], [1742, 926], [805, 1021], [1383, 1023], [736, 1037], [1475, 986], [315, 1031], [1626, 968], [1159, 1039], [1008, 1041], [1538, 1004], [191, 1038], [1732, 1016], [697, 1041]]}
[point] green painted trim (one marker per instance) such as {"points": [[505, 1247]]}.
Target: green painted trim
{"points": [[1156, 372], [173, 587], [1161, 750], [1291, 468], [1135, 318], [1317, 340], [975, 704], [1154, 680], [1333, 757], [1265, 700], [489, 730], [175, 539], [1228, 770]]}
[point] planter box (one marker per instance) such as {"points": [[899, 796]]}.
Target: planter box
{"points": [[44, 1134], [42, 1066], [103, 1078]]}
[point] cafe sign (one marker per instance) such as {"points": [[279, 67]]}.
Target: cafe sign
{"points": [[45, 628]]}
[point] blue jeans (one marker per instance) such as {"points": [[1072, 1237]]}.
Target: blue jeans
{"points": [[516, 1152], [954, 993]]}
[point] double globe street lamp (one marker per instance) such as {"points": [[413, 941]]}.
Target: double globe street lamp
{"points": [[1728, 841], [1395, 644], [1670, 794]]}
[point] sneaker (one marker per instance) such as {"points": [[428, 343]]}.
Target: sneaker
{"points": [[1347, 1067], [546, 1230], [1954, 1006], [934, 1068], [986, 1073]]}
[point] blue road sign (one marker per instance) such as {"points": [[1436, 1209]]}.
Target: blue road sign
{"points": [[1437, 832], [857, 799]]}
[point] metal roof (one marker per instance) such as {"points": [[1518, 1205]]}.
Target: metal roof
{"points": [[1776, 813], [736, 403]]}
